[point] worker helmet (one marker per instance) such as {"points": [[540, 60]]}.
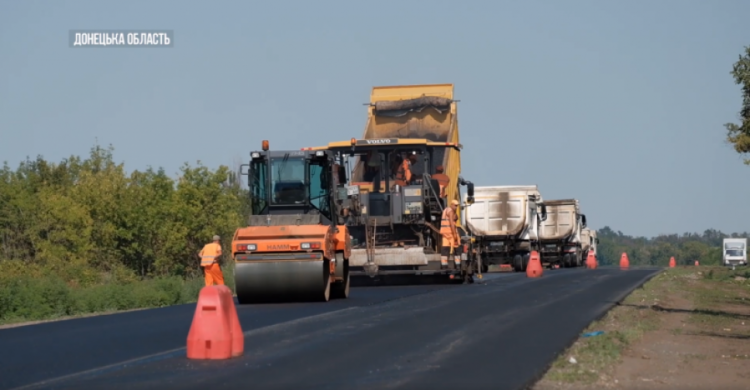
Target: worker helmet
{"points": [[216, 238]]}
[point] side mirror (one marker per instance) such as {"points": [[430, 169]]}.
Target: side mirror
{"points": [[583, 220], [597, 240], [544, 212], [470, 192]]}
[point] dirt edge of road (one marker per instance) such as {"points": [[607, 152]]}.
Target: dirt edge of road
{"points": [[686, 328]]}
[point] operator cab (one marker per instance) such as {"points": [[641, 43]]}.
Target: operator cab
{"points": [[372, 167], [291, 183]]}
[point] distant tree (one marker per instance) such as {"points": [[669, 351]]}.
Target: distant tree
{"points": [[86, 219], [739, 135]]}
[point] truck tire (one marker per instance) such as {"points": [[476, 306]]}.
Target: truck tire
{"points": [[517, 263], [566, 261]]}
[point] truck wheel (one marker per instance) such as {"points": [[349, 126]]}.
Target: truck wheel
{"points": [[517, 263], [566, 261]]}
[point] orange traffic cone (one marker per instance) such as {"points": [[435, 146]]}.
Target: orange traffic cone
{"points": [[591, 260], [534, 269], [215, 332], [696, 263], [672, 263], [624, 263]]}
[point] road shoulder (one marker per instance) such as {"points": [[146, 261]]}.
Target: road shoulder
{"points": [[687, 327]]}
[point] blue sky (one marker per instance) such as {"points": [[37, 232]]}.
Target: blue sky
{"points": [[618, 104]]}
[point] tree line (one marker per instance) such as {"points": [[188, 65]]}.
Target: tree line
{"points": [[685, 248], [86, 224]]}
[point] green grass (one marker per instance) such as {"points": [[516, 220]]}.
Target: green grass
{"points": [[34, 298], [718, 287], [591, 357], [595, 355]]}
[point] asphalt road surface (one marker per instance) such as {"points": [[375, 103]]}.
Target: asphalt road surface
{"points": [[501, 333]]}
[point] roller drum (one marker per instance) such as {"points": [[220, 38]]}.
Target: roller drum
{"points": [[282, 281]]}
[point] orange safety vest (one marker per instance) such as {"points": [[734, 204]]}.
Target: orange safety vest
{"points": [[209, 253], [443, 181], [445, 226], [403, 175]]}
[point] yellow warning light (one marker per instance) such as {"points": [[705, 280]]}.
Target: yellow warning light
{"points": [[354, 141], [265, 145]]}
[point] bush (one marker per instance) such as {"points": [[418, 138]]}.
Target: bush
{"points": [[29, 299], [84, 236]]}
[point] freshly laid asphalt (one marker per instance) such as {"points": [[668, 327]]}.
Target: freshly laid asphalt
{"points": [[49, 350], [502, 332]]}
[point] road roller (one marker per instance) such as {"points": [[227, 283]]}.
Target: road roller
{"points": [[395, 228], [292, 248]]}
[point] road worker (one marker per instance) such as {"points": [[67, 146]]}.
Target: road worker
{"points": [[403, 175], [209, 256], [450, 235], [442, 179]]}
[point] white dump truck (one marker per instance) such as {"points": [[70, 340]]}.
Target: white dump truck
{"points": [[505, 222], [560, 235], [588, 242], [735, 252]]}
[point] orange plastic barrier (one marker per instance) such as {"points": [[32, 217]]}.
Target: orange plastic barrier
{"points": [[624, 262], [672, 263], [534, 269], [697, 263], [215, 332]]}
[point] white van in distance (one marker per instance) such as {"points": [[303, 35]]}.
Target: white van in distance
{"points": [[735, 252]]}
